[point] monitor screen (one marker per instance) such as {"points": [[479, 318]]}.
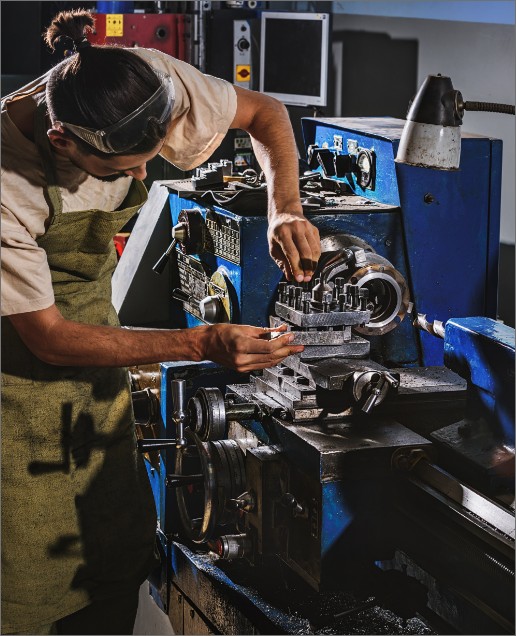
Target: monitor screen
{"points": [[294, 57]]}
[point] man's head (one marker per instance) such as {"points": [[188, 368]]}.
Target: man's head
{"points": [[107, 106]]}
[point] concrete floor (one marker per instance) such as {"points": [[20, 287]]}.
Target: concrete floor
{"points": [[150, 620]]}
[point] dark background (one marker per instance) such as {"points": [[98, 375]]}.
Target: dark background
{"points": [[369, 85]]}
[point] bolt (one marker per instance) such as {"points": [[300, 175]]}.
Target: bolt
{"points": [[429, 198]]}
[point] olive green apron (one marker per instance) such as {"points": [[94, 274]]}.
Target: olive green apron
{"points": [[78, 517]]}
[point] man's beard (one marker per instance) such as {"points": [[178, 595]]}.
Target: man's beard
{"points": [[110, 178]]}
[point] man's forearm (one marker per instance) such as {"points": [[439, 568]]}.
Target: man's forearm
{"points": [[70, 343], [57, 341], [275, 149]]}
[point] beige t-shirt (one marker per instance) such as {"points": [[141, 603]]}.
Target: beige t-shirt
{"points": [[203, 110]]}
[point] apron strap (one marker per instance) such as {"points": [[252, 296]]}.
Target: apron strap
{"points": [[54, 199]]}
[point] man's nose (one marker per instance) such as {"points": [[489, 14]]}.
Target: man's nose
{"points": [[138, 173]]}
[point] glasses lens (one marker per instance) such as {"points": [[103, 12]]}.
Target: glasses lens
{"points": [[132, 129]]}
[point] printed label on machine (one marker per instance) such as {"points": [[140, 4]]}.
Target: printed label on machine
{"points": [[224, 234]]}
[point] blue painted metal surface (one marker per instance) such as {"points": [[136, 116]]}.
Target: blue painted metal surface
{"points": [[442, 235], [155, 479], [481, 351], [451, 237], [336, 515], [255, 279]]}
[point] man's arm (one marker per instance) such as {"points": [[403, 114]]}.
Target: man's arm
{"points": [[293, 241], [55, 340]]}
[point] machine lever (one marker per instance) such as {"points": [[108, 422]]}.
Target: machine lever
{"points": [[374, 395], [179, 233], [182, 296], [176, 481], [179, 414], [159, 267], [296, 509], [148, 445]]}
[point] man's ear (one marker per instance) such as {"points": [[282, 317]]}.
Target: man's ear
{"points": [[59, 139]]}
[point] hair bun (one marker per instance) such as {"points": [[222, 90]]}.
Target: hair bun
{"points": [[69, 28]]}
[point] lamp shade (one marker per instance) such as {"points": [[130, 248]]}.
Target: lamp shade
{"points": [[431, 135]]}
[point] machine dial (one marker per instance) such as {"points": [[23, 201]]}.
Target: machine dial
{"points": [[365, 169], [194, 238]]}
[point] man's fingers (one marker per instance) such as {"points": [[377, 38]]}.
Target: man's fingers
{"points": [[292, 257], [296, 247], [315, 243], [254, 362]]}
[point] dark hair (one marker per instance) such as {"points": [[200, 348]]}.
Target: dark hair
{"points": [[99, 85]]}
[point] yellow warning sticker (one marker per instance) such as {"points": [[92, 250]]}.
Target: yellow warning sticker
{"points": [[243, 72], [114, 25]]}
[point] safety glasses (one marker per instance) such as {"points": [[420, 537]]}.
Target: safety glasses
{"points": [[131, 130]]}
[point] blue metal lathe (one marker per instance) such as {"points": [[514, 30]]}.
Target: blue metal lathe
{"points": [[368, 480]]}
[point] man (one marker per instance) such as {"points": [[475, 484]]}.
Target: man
{"points": [[77, 515]]}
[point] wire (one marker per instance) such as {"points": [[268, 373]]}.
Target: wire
{"points": [[507, 109]]}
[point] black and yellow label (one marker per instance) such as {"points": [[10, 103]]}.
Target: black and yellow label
{"points": [[243, 72], [114, 25]]}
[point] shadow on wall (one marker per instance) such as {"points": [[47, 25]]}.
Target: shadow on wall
{"points": [[379, 74]]}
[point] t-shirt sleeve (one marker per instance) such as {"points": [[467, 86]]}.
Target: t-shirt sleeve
{"points": [[203, 110], [26, 280]]}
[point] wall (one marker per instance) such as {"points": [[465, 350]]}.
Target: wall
{"points": [[480, 59]]}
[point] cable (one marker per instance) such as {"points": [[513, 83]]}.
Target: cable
{"points": [[490, 107]]}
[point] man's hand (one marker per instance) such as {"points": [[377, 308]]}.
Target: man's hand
{"points": [[246, 348], [295, 245], [57, 341]]}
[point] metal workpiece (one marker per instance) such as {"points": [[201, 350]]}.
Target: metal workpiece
{"points": [[313, 337], [355, 347], [321, 319]]}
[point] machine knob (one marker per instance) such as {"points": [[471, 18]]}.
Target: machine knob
{"points": [[182, 296], [212, 310], [245, 502], [233, 546], [296, 509], [243, 44], [179, 234]]}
